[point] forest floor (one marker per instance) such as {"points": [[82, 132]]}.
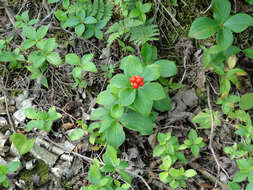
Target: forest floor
{"points": [[59, 163]]}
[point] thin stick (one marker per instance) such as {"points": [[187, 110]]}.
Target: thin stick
{"points": [[212, 134]]}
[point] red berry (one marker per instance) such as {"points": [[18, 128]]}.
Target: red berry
{"points": [[141, 83], [135, 85], [133, 79], [138, 80]]}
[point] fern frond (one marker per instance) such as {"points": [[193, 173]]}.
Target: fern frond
{"points": [[95, 7], [89, 6], [108, 11], [113, 37], [143, 33], [101, 10]]}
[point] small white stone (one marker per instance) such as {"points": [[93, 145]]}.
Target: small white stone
{"points": [[3, 122]]}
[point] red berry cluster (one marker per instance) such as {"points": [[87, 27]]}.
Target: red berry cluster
{"points": [[136, 81]]}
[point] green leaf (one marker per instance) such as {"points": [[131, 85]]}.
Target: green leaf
{"points": [[117, 111], [41, 32], [163, 104], [153, 90], [87, 65], [234, 186], [135, 121], [54, 58], [151, 72], [73, 59], [249, 186], [28, 44], [30, 113], [105, 98], [142, 103], [125, 176], [204, 119], [239, 177], [79, 29], [115, 135], [239, 22], [131, 65], [44, 81], [13, 166], [148, 53], [159, 150], [76, 134], [168, 68], [195, 150], [60, 15], [53, 115], [21, 143], [164, 176], [47, 45], [72, 21], [248, 52], [127, 96], [34, 124], [221, 10], [203, 28], [29, 32], [36, 58], [250, 2], [193, 135], [90, 20], [167, 162], [94, 175], [120, 81], [246, 101], [224, 38], [98, 114], [190, 173]]}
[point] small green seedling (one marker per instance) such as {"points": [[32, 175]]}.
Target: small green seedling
{"points": [[42, 120], [194, 143], [21, 143], [81, 65], [5, 169]]}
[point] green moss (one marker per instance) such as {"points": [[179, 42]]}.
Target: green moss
{"points": [[41, 169]]}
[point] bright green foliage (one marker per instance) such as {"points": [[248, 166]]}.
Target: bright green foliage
{"points": [[204, 119], [87, 18], [134, 29], [78, 132], [194, 143], [250, 1], [112, 165], [5, 169], [246, 101], [81, 65], [176, 177], [14, 58], [135, 26], [168, 150], [125, 48], [41, 120], [21, 143], [44, 53], [125, 106], [238, 150], [23, 20], [246, 171], [222, 24]]}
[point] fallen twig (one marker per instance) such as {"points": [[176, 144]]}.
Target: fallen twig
{"points": [[212, 134]]}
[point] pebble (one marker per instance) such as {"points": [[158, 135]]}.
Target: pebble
{"points": [[3, 122]]}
